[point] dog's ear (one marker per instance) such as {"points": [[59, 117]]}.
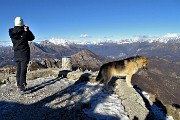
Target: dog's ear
{"points": [[145, 63], [147, 60]]}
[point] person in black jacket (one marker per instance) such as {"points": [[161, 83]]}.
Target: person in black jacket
{"points": [[20, 35]]}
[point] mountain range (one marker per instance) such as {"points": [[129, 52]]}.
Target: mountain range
{"points": [[167, 38], [107, 50]]}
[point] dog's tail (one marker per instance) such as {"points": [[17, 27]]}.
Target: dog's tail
{"points": [[99, 77]]}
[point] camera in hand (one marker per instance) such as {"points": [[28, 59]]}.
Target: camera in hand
{"points": [[26, 27]]}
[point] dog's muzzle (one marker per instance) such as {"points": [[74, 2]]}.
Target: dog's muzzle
{"points": [[145, 67]]}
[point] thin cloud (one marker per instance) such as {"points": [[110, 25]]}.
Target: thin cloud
{"points": [[84, 36], [172, 35]]}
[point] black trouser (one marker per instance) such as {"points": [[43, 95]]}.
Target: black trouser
{"points": [[21, 70]]}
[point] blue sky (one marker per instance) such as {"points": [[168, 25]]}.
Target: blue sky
{"points": [[89, 20]]}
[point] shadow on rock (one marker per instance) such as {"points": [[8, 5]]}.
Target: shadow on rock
{"points": [[66, 104]]}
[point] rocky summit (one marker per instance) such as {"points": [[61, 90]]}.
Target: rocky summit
{"points": [[76, 97]]}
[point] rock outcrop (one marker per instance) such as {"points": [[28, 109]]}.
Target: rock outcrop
{"points": [[33, 65], [132, 101], [51, 63], [87, 60]]}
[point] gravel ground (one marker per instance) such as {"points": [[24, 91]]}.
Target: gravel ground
{"points": [[59, 99]]}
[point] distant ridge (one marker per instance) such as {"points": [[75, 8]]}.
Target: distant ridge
{"points": [[167, 38]]}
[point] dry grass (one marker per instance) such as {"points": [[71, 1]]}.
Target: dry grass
{"points": [[175, 112], [41, 73], [2, 78], [30, 75], [6, 72]]}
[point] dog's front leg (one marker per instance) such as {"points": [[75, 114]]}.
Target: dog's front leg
{"points": [[128, 80]]}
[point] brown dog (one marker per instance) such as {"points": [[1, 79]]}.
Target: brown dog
{"points": [[125, 68]]}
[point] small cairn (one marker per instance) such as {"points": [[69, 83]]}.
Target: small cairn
{"points": [[66, 63]]}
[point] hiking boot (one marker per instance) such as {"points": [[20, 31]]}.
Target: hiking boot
{"points": [[21, 89], [24, 84]]}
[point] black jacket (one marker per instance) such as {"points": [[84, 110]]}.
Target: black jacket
{"points": [[20, 39]]}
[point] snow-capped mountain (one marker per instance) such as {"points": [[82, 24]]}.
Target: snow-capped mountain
{"points": [[5, 44], [168, 38], [58, 41]]}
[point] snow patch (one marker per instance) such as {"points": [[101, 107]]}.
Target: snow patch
{"points": [[58, 41], [104, 104]]}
